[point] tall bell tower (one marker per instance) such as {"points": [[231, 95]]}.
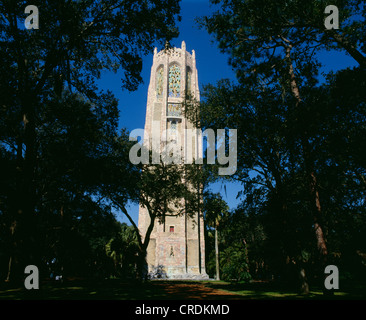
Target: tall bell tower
{"points": [[176, 245]]}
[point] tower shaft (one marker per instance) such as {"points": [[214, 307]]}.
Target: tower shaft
{"points": [[176, 245]]}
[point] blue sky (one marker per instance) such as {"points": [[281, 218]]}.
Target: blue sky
{"points": [[212, 66]]}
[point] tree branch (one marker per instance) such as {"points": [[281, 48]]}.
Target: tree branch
{"points": [[350, 48]]}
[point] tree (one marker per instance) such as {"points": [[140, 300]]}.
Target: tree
{"points": [[272, 48], [215, 209], [72, 143], [75, 42], [160, 189], [234, 263], [123, 250]]}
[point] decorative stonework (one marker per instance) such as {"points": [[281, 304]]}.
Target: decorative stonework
{"points": [[174, 81], [189, 80], [174, 110], [159, 82]]}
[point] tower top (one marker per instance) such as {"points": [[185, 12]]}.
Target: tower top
{"points": [[173, 74], [169, 51]]}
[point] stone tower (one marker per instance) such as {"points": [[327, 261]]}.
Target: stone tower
{"points": [[176, 245]]}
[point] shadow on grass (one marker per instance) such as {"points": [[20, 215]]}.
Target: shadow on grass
{"points": [[115, 289], [84, 290], [271, 290]]}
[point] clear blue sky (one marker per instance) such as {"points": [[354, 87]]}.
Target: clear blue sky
{"points": [[212, 66]]}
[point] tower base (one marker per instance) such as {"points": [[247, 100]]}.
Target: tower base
{"points": [[174, 273], [190, 276]]}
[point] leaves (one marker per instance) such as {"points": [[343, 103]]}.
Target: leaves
{"points": [[58, 139], [123, 249], [289, 125]]}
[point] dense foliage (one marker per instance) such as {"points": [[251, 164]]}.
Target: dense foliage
{"points": [[300, 137], [60, 148]]}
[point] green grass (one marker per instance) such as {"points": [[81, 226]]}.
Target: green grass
{"points": [[115, 289], [269, 290]]}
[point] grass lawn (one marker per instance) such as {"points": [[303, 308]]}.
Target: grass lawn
{"points": [[268, 290], [115, 289]]}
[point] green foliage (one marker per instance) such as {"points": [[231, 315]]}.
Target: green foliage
{"points": [[291, 128], [234, 264], [123, 249], [59, 144], [215, 209], [256, 33]]}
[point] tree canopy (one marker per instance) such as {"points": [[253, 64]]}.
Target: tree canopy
{"points": [[297, 140], [59, 139]]}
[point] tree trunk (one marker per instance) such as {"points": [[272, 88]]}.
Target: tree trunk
{"points": [[142, 267], [9, 269], [349, 47], [27, 197], [322, 247], [304, 285], [23, 228], [309, 168], [217, 255], [199, 228]]}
